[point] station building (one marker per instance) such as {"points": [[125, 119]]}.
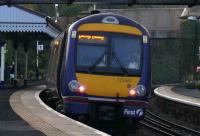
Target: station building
{"points": [[163, 24], [21, 26]]}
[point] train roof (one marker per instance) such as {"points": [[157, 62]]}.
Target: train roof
{"points": [[112, 19]]}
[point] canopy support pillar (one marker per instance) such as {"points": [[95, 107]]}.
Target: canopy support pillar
{"points": [[2, 68], [15, 45], [25, 43]]}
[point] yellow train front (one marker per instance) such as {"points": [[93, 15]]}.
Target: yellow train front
{"points": [[105, 68]]}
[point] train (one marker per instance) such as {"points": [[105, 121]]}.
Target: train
{"points": [[100, 68]]}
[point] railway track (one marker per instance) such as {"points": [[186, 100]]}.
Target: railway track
{"points": [[165, 127], [151, 121]]}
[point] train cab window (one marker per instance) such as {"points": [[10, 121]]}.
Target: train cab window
{"points": [[109, 53], [88, 55], [128, 51]]}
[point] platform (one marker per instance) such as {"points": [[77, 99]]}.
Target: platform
{"points": [[179, 94], [28, 115], [10, 123]]}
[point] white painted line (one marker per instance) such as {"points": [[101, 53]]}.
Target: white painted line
{"points": [[67, 118], [101, 133], [187, 102]]}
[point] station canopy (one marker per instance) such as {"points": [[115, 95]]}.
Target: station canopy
{"points": [[16, 18], [190, 3]]}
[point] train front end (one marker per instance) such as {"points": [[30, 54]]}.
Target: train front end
{"points": [[107, 68]]}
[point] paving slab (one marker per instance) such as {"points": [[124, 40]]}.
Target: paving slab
{"points": [[27, 104]]}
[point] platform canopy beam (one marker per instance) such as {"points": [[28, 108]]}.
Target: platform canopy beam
{"points": [[129, 2]]}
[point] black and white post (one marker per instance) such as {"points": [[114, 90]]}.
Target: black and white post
{"points": [[39, 48]]}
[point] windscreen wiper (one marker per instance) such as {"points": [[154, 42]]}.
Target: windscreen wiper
{"points": [[120, 63], [96, 62]]}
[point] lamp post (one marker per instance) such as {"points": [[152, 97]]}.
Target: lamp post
{"points": [[56, 13], [94, 7]]}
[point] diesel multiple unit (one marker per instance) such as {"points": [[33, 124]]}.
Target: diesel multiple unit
{"points": [[100, 67]]}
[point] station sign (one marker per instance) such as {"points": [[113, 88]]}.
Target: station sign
{"points": [[129, 111], [40, 47]]}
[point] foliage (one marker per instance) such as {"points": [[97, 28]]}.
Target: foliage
{"points": [[72, 10], [31, 6], [69, 10], [64, 9], [47, 9], [165, 60], [197, 85], [190, 38], [191, 84], [9, 53], [43, 58]]}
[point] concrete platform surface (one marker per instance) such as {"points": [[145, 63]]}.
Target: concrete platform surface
{"points": [[27, 104], [179, 94], [10, 123]]}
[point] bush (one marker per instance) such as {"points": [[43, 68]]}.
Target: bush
{"points": [[190, 84], [197, 85]]}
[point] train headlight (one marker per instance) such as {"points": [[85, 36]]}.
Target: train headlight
{"points": [[139, 90], [132, 92], [75, 86]]}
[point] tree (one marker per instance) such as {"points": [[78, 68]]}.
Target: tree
{"points": [[189, 47]]}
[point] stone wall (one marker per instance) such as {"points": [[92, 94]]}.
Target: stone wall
{"points": [[161, 22]]}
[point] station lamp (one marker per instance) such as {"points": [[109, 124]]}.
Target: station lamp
{"points": [[56, 13]]}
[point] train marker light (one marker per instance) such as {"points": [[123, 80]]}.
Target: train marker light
{"points": [[139, 90], [81, 89], [132, 92]]}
